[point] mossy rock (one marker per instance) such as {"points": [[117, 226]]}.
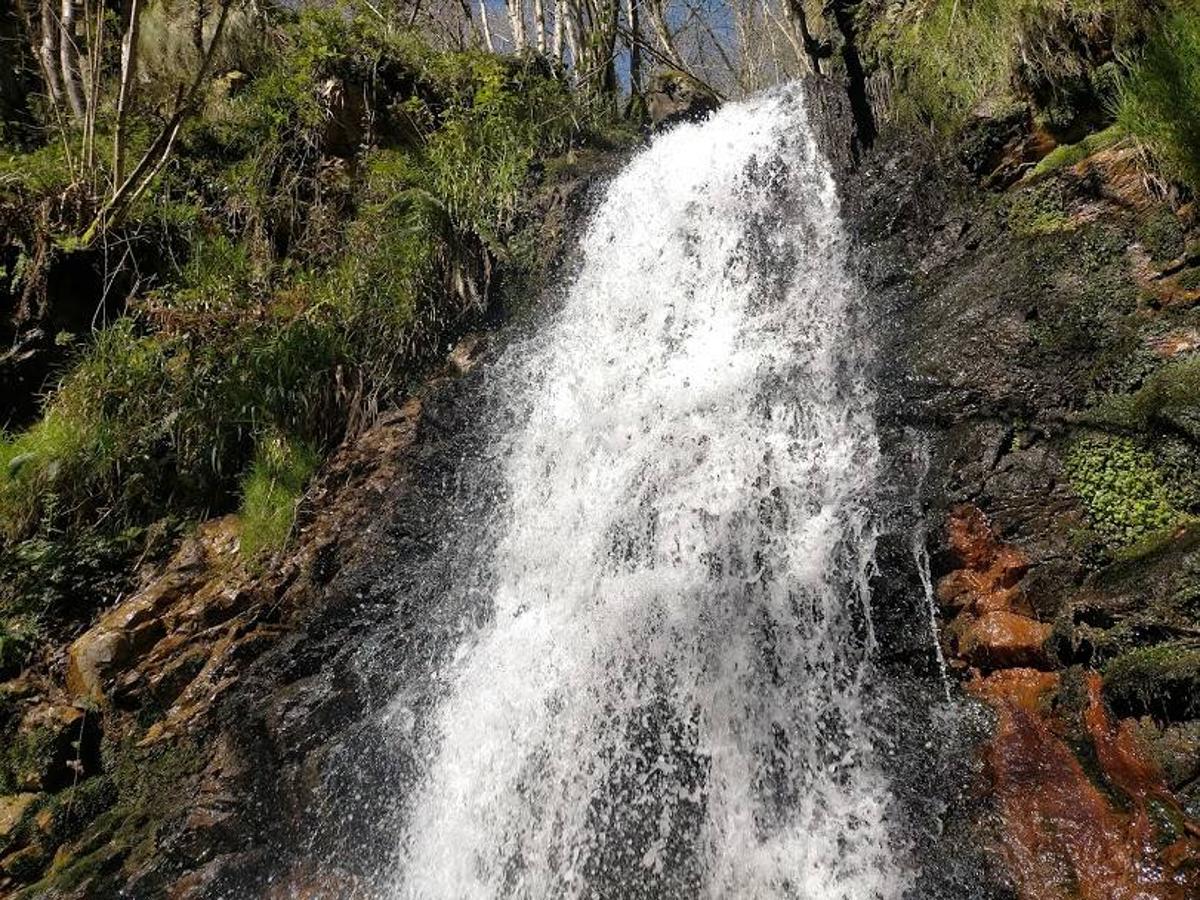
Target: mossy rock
{"points": [[1161, 236], [1162, 681], [1038, 210]]}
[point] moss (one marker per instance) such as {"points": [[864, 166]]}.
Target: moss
{"points": [[1121, 489], [1069, 155], [1169, 400], [1161, 236], [1163, 681], [133, 803], [1038, 210]]}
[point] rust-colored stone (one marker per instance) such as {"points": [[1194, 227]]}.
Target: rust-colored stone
{"points": [[1065, 837], [1001, 639]]}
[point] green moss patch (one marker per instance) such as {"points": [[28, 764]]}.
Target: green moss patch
{"points": [[1121, 489], [1069, 155]]}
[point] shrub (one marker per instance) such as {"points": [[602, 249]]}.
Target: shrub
{"points": [[1160, 97]]}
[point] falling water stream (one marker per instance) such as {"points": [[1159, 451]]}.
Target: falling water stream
{"points": [[668, 694]]}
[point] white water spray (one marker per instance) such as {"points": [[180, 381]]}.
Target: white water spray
{"points": [[668, 696]]}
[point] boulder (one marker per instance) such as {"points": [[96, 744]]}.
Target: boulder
{"points": [[675, 97]]}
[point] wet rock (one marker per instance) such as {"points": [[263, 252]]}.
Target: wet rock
{"points": [[1000, 639], [673, 97], [1064, 836]]}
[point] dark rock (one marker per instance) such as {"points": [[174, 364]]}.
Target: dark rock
{"points": [[673, 97]]}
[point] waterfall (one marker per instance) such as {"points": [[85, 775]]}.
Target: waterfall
{"points": [[668, 693]]}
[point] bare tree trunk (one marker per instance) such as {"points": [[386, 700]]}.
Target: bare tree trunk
{"points": [[93, 20], [794, 10], [539, 23], [48, 53], [516, 21], [129, 48], [635, 47], [658, 21], [68, 58], [559, 22], [160, 149], [574, 29], [485, 27]]}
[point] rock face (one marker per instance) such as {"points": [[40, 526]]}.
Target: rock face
{"points": [[1034, 331]]}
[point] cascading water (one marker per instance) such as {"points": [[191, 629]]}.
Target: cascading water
{"points": [[668, 696]]}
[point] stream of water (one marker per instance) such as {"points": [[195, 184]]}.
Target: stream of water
{"points": [[668, 695]]}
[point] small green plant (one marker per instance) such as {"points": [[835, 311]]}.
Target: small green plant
{"points": [[270, 492], [1038, 210], [1121, 489], [1160, 97]]}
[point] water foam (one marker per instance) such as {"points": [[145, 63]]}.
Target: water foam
{"points": [[668, 695]]}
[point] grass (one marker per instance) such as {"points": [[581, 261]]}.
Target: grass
{"points": [[270, 492], [1161, 94], [955, 57]]}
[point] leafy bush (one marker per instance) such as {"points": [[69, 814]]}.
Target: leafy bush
{"points": [[1160, 97]]}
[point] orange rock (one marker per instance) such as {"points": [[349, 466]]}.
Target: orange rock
{"points": [[1026, 689], [1063, 836], [970, 537], [999, 639]]}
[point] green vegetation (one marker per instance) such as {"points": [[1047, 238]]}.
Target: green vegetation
{"points": [[1078, 66], [957, 57], [1169, 399], [341, 207], [1121, 489], [1068, 155], [1160, 97], [271, 491], [1038, 210]]}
